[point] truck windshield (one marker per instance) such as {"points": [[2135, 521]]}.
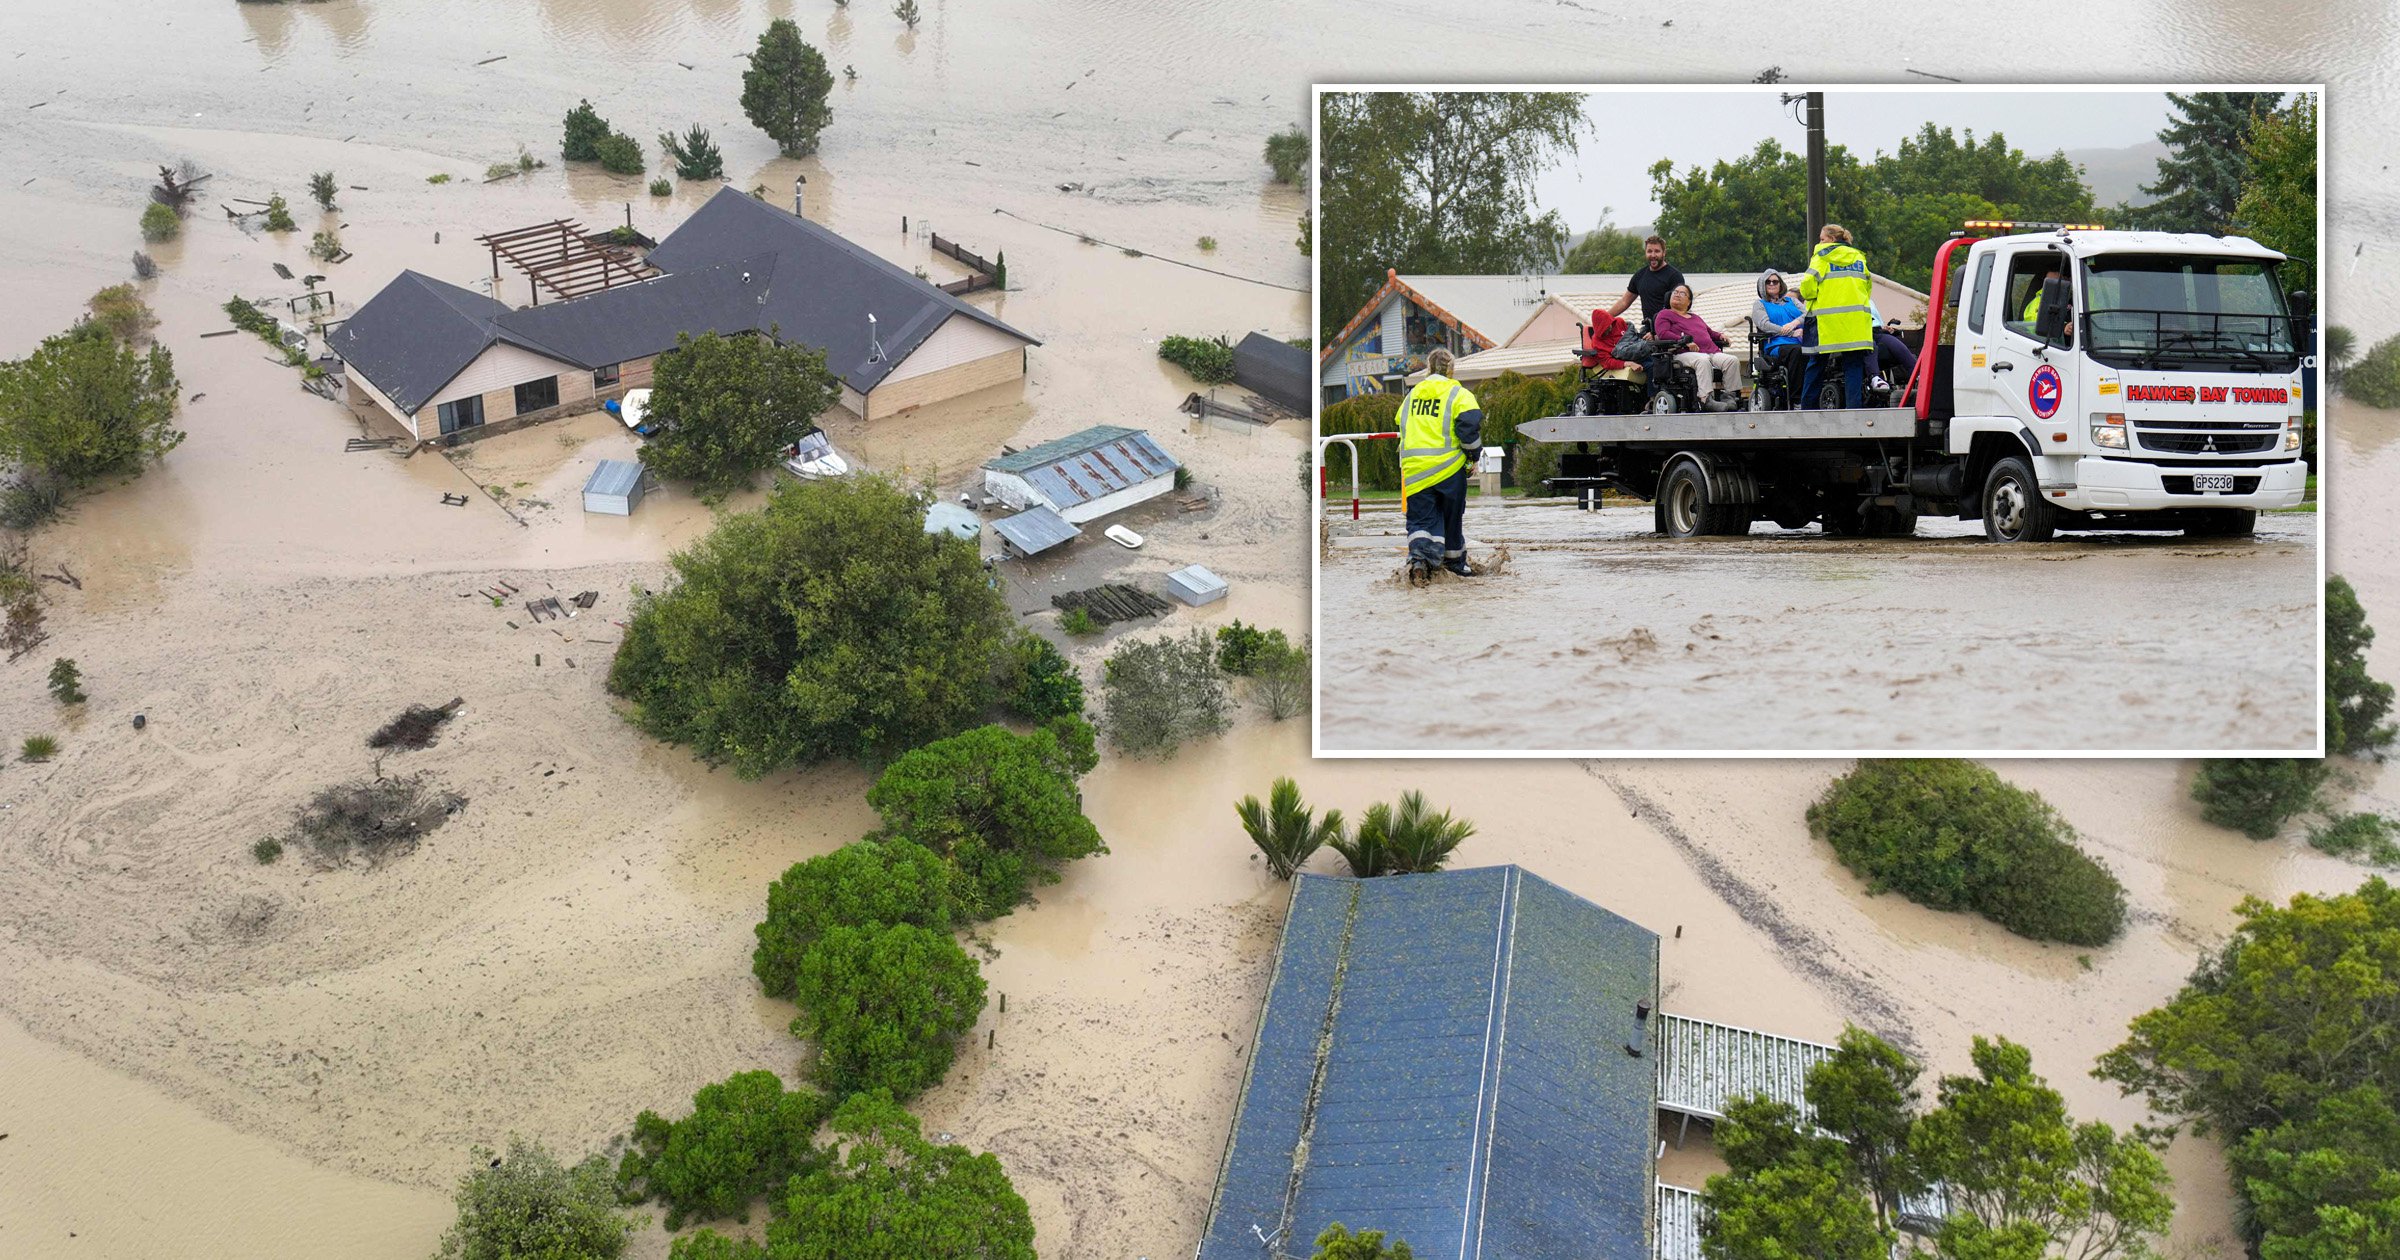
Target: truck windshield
{"points": [[2169, 311]]}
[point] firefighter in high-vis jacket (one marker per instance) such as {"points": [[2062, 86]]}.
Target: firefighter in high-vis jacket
{"points": [[1441, 438], [1837, 291]]}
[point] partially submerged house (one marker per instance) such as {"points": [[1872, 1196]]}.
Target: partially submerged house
{"points": [[1274, 370], [1445, 1058], [439, 359], [1083, 476]]}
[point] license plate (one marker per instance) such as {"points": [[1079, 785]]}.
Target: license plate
{"points": [[2212, 483]]}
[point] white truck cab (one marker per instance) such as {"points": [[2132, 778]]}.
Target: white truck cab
{"points": [[2171, 382]]}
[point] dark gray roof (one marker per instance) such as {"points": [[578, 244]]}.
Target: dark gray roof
{"points": [[737, 265], [825, 287], [1035, 530], [1081, 467], [1276, 370], [1442, 1058], [415, 335]]}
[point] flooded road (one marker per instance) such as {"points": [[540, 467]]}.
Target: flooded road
{"points": [[1601, 635], [574, 947]]}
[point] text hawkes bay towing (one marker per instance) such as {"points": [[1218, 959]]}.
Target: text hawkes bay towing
{"points": [[2156, 387]]}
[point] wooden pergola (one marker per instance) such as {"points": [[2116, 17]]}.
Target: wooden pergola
{"points": [[563, 258]]}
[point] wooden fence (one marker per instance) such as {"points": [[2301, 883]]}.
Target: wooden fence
{"points": [[974, 261]]}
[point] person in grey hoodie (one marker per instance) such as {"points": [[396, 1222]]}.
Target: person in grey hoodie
{"points": [[1775, 319]]}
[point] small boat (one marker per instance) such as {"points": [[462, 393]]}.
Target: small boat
{"points": [[633, 410], [1123, 537], [814, 459]]}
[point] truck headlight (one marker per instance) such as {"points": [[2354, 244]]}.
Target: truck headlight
{"points": [[2108, 435], [2291, 439]]}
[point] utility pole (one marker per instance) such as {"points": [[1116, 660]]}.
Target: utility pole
{"points": [[1816, 166]]}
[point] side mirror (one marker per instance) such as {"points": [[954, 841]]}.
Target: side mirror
{"points": [[2304, 314], [2050, 324]]}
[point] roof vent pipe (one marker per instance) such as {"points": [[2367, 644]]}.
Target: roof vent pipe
{"points": [[800, 196]]}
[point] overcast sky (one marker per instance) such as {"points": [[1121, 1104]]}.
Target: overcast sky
{"points": [[1701, 127]]}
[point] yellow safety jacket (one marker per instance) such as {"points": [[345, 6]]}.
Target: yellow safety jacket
{"points": [[2033, 309], [1836, 290], [1429, 449]]}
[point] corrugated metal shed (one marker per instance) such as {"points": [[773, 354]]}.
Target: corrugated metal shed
{"points": [[1035, 530], [1195, 585], [1442, 1058], [1277, 370], [1094, 463], [614, 488]]}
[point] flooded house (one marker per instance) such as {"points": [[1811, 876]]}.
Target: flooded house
{"points": [[440, 361], [1083, 476]]}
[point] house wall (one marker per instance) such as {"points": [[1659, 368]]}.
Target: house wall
{"points": [[497, 371], [1554, 322], [959, 339], [895, 395], [363, 393], [1138, 492]]}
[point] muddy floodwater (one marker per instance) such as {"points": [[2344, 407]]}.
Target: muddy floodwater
{"points": [[1601, 635], [202, 1056]]}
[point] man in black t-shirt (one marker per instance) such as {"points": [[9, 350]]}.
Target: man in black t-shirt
{"points": [[1653, 284]]}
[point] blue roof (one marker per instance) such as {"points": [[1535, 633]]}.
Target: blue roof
{"points": [[1035, 530], [1094, 463], [1442, 1058]]}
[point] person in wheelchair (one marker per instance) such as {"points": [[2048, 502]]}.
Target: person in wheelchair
{"points": [[1706, 357], [1775, 320]]}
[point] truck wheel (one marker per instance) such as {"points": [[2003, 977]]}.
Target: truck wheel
{"points": [[2014, 510], [1684, 509], [2222, 523]]}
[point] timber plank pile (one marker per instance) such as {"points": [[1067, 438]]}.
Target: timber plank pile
{"points": [[1110, 604]]}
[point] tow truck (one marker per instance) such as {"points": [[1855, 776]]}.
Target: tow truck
{"points": [[2154, 386]]}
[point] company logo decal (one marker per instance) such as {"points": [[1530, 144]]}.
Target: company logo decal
{"points": [[2043, 391]]}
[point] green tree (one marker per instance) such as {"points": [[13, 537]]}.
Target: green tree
{"points": [[2278, 205], [2257, 795], [727, 406], [2328, 1187], [2356, 703], [1752, 212], [1002, 807], [1787, 1194], [1338, 1243], [620, 154], [66, 681], [1208, 360], [908, 13], [885, 1006], [1408, 839], [1280, 679], [1037, 683], [525, 1206], [2341, 349], [1606, 250], [2375, 378], [1157, 693], [892, 1195], [787, 89], [1866, 1096], [279, 215], [1287, 155], [1954, 836], [85, 404], [694, 154], [322, 187], [121, 310], [585, 130], [827, 624], [1285, 830], [1436, 182], [868, 883], [160, 223], [747, 1137], [2208, 160]]}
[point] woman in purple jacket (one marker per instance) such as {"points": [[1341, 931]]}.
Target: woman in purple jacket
{"points": [[1707, 354]]}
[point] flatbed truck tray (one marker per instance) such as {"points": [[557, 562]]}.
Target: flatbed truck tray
{"points": [[1858, 423]]}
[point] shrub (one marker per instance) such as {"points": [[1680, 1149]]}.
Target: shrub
{"points": [[620, 154], [1036, 681], [1241, 648], [267, 850], [864, 884], [2257, 795], [1409, 839], [1281, 680], [827, 624], [30, 499], [85, 404], [38, 748], [442, 178], [122, 312], [891, 1195], [1157, 693], [1208, 244], [727, 407], [325, 246], [144, 266], [279, 215], [322, 187], [1001, 807], [66, 681], [371, 820], [1287, 154], [22, 631], [1338, 1243], [2356, 704], [1378, 462], [1078, 622], [787, 91], [747, 1137], [1209, 360], [1952, 835], [1286, 831], [525, 1205], [585, 130], [907, 12], [2363, 837], [660, 187], [885, 1006], [2375, 378], [694, 154], [160, 223]]}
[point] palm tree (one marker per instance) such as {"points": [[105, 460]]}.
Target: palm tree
{"points": [[2341, 347], [1284, 829], [1408, 840]]}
